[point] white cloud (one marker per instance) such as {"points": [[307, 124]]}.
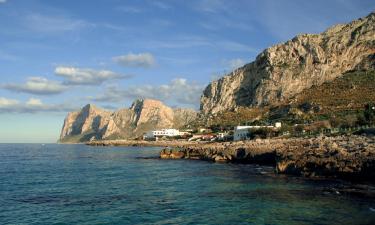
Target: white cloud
{"points": [[33, 105], [5, 102], [53, 24], [3, 1], [144, 60], [83, 76], [178, 91], [37, 86], [34, 102]]}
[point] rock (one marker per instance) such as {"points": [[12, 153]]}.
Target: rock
{"points": [[144, 115], [333, 157], [171, 154], [284, 70], [240, 154], [220, 158], [314, 157]]}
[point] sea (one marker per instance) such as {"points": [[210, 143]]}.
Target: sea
{"points": [[79, 184]]}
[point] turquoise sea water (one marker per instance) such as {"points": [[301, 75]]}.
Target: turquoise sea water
{"points": [[77, 184]]}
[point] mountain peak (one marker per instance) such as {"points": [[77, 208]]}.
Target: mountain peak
{"points": [[142, 102], [144, 115], [284, 70], [89, 106]]}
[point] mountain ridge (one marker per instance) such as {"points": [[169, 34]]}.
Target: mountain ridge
{"points": [[94, 123], [284, 70]]}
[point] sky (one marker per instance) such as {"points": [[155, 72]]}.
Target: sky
{"points": [[57, 56]]}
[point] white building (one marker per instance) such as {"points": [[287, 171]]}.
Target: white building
{"points": [[221, 136], [243, 132], [162, 133]]}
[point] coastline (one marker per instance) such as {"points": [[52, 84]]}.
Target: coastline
{"points": [[176, 143], [346, 157]]}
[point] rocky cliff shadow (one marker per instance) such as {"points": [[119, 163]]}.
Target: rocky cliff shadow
{"points": [[96, 123], [253, 75], [94, 131], [80, 120]]}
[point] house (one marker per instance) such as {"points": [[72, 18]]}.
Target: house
{"points": [[208, 137], [243, 132], [151, 135], [166, 133], [223, 136]]}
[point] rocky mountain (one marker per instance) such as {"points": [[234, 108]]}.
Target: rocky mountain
{"points": [[144, 115], [284, 70]]}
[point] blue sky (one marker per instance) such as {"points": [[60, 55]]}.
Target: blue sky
{"points": [[57, 56]]}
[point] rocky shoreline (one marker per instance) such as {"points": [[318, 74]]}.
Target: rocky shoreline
{"points": [[346, 157], [177, 144]]}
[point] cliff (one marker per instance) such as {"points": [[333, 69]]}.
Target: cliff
{"points": [[284, 70], [144, 115]]}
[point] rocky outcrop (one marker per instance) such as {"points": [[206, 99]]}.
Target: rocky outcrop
{"points": [[284, 70], [171, 154], [89, 120], [347, 157], [259, 151], [92, 123]]}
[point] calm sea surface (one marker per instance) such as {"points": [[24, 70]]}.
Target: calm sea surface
{"points": [[78, 184]]}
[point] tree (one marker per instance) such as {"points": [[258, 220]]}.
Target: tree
{"points": [[261, 133], [298, 129]]}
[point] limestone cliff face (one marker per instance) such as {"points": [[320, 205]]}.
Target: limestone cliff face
{"points": [[89, 119], [144, 115], [284, 70]]}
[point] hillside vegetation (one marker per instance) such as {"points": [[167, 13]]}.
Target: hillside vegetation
{"points": [[350, 92], [340, 102]]}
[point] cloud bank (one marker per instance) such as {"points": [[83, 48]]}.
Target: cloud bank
{"points": [[37, 86], [141, 60], [179, 90], [33, 105], [53, 24], [83, 76]]}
